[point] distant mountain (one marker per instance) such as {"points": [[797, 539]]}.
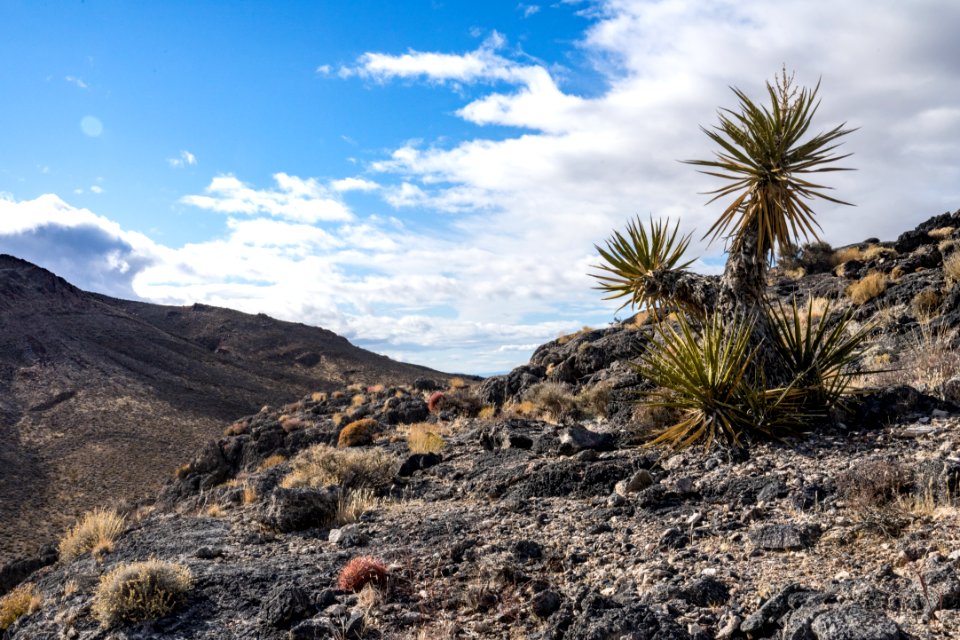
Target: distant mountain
{"points": [[100, 399]]}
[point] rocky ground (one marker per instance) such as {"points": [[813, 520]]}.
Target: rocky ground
{"points": [[542, 515]]}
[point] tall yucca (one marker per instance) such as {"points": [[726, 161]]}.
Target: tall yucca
{"points": [[765, 160]]}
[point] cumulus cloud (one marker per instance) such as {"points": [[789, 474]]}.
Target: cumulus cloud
{"points": [[77, 82], [185, 159], [86, 249], [305, 200]]}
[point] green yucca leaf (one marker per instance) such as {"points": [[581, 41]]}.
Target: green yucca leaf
{"points": [[763, 158], [629, 259], [819, 352]]}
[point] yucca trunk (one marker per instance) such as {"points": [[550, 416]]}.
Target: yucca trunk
{"points": [[741, 294]]}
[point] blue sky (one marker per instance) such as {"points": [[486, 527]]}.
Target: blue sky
{"points": [[429, 178]]}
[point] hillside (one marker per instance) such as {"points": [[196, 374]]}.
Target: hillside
{"points": [[101, 399], [527, 506]]}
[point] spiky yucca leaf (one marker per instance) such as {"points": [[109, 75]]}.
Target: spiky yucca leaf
{"points": [[764, 159], [819, 352], [629, 259], [701, 374]]}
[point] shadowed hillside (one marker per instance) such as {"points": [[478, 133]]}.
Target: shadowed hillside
{"points": [[100, 399]]}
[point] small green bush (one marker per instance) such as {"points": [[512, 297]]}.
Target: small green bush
{"points": [[140, 591]]}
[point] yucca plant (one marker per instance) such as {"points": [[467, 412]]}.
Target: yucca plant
{"points": [[819, 352], [701, 374], [635, 258]]}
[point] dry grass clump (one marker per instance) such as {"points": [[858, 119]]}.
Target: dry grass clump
{"points": [[868, 288], [357, 433], [272, 461], [322, 465], [928, 360], [523, 409], [94, 532], [846, 255], [236, 429], [487, 412], [456, 383], [554, 400], [940, 233], [353, 504], [875, 251], [140, 591], [951, 268], [565, 338], [290, 424], [318, 396], [376, 388], [23, 600], [926, 304], [423, 437]]}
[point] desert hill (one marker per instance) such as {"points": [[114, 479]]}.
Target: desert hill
{"points": [[526, 506], [101, 399]]}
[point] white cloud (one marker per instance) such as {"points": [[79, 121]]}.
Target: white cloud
{"points": [[96, 189], [185, 159], [304, 200], [78, 82], [323, 69], [528, 9], [354, 184]]}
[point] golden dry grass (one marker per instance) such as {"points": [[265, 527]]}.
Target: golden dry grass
{"points": [[846, 255], [875, 251], [565, 338], [272, 461], [868, 288], [140, 591], [95, 531], [355, 503], [318, 396], [926, 304], [941, 233], [424, 437], [357, 433], [951, 268], [21, 601], [456, 383], [487, 412]]}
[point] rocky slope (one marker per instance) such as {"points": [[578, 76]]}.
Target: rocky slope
{"points": [[100, 399], [540, 516]]}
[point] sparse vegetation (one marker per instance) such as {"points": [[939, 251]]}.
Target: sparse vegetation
{"points": [[271, 461], [941, 233], [876, 251], [94, 532], [554, 400], [926, 304], [567, 337], [322, 465], [951, 268], [354, 504], [595, 400], [873, 484], [360, 572], [423, 437], [846, 254], [358, 433], [140, 591], [22, 600], [867, 288]]}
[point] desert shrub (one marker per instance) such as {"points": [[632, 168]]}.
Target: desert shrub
{"points": [[140, 591], [358, 400], [95, 532], [896, 273], [322, 465], [946, 247], [423, 437], [929, 360], [595, 400], [553, 399], [338, 418], [648, 419], [318, 396], [868, 288], [376, 388], [456, 383], [19, 602], [925, 304], [360, 572], [357, 433], [940, 233], [522, 409], [565, 338], [462, 401], [816, 257], [951, 267], [290, 424], [872, 484], [435, 402]]}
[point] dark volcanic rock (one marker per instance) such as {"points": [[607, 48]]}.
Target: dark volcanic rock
{"points": [[285, 605], [300, 508], [782, 537], [576, 439]]}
